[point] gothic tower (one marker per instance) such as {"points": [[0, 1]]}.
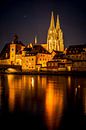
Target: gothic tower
{"points": [[60, 44], [51, 38], [55, 36]]}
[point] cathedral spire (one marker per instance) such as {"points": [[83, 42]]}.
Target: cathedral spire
{"points": [[57, 23], [52, 25]]}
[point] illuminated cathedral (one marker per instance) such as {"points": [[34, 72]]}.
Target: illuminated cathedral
{"points": [[55, 36]]}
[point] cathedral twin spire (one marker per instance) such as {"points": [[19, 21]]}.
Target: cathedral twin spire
{"points": [[55, 36], [52, 23], [57, 23]]}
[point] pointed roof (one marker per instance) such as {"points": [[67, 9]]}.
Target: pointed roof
{"points": [[52, 25], [58, 23]]}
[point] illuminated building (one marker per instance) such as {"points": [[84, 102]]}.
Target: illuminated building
{"points": [[55, 36], [35, 57], [12, 52], [29, 59], [77, 53], [45, 56], [16, 48], [59, 63]]}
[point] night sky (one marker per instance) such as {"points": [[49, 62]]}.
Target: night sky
{"points": [[30, 18]]}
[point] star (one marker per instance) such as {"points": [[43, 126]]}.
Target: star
{"points": [[25, 16]]}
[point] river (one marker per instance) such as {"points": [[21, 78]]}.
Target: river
{"points": [[42, 102]]}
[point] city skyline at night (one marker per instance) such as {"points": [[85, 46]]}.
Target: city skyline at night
{"points": [[43, 64], [32, 18]]}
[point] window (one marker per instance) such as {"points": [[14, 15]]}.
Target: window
{"points": [[12, 49], [56, 64]]}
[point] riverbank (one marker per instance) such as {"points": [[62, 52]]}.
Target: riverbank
{"points": [[72, 73]]}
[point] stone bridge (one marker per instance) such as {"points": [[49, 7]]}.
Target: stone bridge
{"points": [[4, 67]]}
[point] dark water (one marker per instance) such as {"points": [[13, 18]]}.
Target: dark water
{"points": [[42, 102]]}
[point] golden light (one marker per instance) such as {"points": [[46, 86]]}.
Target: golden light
{"points": [[11, 92], [29, 63], [53, 105], [32, 82], [11, 70], [69, 81], [69, 68]]}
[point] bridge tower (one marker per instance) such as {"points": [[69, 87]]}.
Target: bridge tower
{"points": [[12, 53]]}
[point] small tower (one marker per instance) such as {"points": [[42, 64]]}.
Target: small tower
{"points": [[35, 39], [13, 49]]}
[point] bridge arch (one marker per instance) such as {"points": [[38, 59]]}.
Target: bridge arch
{"points": [[10, 68]]}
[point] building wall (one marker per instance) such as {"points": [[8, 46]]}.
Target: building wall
{"points": [[56, 66], [29, 63], [5, 61], [43, 59], [79, 56], [18, 59], [79, 65]]}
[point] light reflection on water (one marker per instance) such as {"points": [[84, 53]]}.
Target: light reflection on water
{"points": [[44, 95], [54, 103]]}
